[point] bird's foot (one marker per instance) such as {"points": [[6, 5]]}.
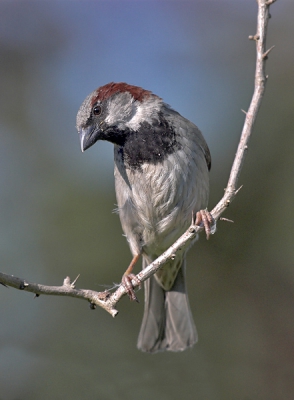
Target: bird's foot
{"points": [[127, 283], [205, 219]]}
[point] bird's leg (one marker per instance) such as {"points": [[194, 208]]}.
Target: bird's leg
{"points": [[203, 217], [127, 279]]}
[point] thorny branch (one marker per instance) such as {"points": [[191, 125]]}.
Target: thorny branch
{"points": [[108, 300]]}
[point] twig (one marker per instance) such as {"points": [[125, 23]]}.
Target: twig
{"points": [[259, 87], [108, 300], [66, 289]]}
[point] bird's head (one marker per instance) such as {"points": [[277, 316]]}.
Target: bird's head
{"points": [[112, 111]]}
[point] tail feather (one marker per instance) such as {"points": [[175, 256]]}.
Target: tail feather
{"points": [[167, 322]]}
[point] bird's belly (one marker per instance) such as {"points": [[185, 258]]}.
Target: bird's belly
{"points": [[162, 217], [156, 203]]}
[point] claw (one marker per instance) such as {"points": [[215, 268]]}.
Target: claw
{"points": [[127, 282], [203, 217], [127, 278]]}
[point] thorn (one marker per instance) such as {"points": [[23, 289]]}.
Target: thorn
{"points": [[4, 284], [265, 55], [226, 219], [269, 2], [36, 295], [238, 190], [74, 282], [245, 112], [92, 306]]}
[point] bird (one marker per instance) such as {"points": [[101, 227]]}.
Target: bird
{"points": [[161, 170]]}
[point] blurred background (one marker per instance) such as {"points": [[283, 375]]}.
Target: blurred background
{"points": [[56, 203]]}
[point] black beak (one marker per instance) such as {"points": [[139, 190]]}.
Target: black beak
{"points": [[88, 136]]}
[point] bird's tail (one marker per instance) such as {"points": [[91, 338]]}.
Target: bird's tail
{"points": [[167, 322]]}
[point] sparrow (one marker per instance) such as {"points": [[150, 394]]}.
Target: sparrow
{"points": [[161, 169]]}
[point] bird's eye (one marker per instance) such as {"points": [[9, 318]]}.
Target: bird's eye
{"points": [[97, 110]]}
